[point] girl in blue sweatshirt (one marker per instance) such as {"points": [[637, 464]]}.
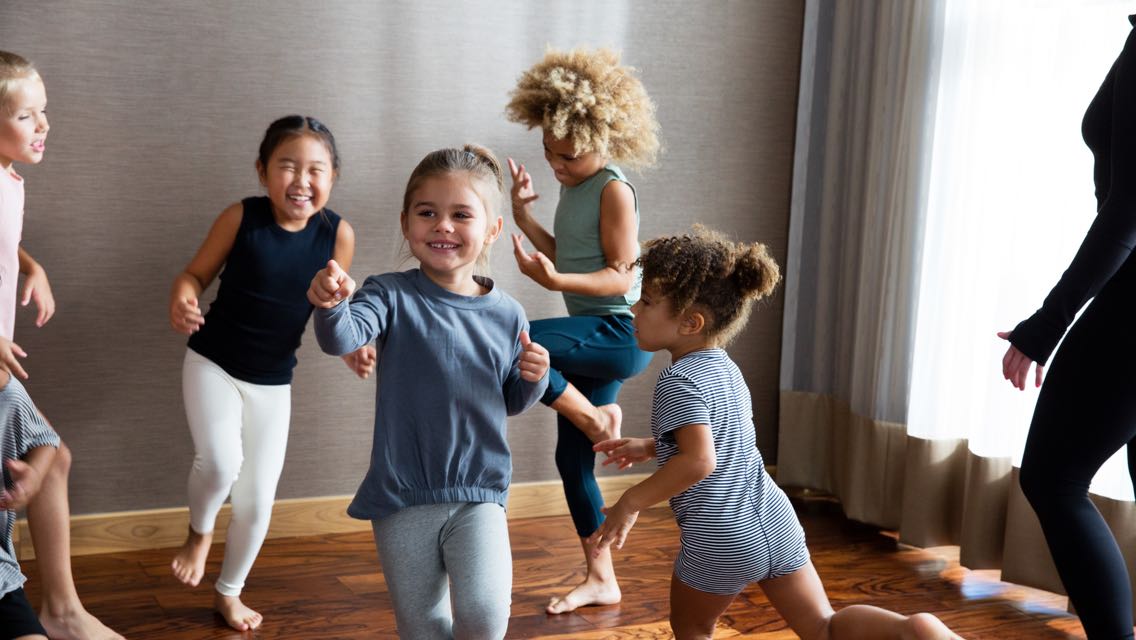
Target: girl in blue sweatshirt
{"points": [[455, 360]]}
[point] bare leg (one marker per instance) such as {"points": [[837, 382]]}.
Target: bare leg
{"points": [[189, 563], [598, 588], [598, 423], [236, 613], [800, 599], [694, 613], [49, 521]]}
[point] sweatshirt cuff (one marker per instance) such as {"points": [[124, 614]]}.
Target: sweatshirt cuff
{"points": [[1037, 337]]}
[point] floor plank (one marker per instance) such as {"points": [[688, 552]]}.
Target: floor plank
{"points": [[331, 587]]}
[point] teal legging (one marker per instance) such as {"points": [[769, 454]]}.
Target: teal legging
{"points": [[596, 354]]}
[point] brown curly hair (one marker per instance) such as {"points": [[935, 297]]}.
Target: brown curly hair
{"points": [[587, 97], [705, 270]]}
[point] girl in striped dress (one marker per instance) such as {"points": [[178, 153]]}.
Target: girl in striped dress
{"points": [[736, 525]]}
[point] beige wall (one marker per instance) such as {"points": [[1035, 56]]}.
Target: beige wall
{"points": [[157, 109]]}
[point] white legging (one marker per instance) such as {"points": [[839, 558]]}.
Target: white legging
{"points": [[240, 432]]}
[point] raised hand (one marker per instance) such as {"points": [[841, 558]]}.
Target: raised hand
{"points": [[522, 192], [362, 361], [26, 481], [1015, 365], [534, 359], [37, 288], [625, 451], [9, 351], [185, 315], [330, 286], [613, 532], [535, 265]]}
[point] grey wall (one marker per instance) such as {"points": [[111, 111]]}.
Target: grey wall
{"points": [[157, 109]]}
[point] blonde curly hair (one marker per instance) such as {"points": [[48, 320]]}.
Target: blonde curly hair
{"points": [[587, 97], [704, 269]]}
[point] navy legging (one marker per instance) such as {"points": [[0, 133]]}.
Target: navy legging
{"points": [[596, 354], [1085, 412]]}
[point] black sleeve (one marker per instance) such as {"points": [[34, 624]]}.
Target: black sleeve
{"points": [[1111, 237]]}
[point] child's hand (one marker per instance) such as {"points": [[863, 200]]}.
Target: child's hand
{"points": [[535, 265], [625, 451], [331, 286], [8, 352], [26, 481], [534, 359], [361, 361], [37, 288], [185, 315], [614, 529], [523, 194]]}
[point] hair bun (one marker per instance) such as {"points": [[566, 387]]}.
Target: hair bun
{"points": [[755, 271]]}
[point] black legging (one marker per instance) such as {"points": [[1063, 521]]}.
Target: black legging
{"points": [[1085, 412]]}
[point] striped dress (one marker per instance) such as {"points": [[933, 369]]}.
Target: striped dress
{"points": [[737, 525]]}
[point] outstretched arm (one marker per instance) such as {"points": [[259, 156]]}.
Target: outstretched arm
{"points": [[694, 461]]}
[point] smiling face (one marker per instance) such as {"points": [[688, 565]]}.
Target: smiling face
{"points": [[569, 167], [298, 177], [447, 227], [23, 123]]}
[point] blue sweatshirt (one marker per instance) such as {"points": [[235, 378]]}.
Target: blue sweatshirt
{"points": [[447, 379]]}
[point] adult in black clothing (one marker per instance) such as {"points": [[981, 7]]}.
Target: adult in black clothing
{"points": [[1087, 409]]}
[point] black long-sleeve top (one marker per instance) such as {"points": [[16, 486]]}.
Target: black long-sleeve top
{"points": [[1109, 129]]}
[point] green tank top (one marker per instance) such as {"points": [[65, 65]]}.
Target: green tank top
{"points": [[578, 249]]}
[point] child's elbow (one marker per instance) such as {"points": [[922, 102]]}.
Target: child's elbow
{"points": [[705, 465]]}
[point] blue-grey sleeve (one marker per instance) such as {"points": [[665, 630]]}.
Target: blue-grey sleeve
{"points": [[521, 394], [355, 322]]}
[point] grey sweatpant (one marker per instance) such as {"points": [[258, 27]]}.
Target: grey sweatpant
{"points": [[449, 570]]}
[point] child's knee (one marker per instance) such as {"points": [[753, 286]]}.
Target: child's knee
{"points": [[481, 617]]}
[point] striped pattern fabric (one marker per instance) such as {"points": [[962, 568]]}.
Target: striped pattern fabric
{"points": [[737, 526], [22, 428]]}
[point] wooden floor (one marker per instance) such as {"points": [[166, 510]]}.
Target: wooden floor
{"points": [[330, 587]]}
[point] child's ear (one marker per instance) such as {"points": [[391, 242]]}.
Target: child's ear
{"points": [[260, 173], [693, 322], [494, 230]]}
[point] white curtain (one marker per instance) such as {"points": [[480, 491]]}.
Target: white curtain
{"points": [[1011, 196], [941, 186]]}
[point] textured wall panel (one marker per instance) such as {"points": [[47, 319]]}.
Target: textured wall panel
{"points": [[157, 109]]}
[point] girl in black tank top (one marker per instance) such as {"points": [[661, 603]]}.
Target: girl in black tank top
{"points": [[238, 368]]}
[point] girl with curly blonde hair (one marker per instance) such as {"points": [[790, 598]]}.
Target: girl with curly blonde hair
{"points": [[595, 116], [736, 526]]}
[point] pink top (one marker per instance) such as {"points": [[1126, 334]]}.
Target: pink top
{"points": [[11, 226]]}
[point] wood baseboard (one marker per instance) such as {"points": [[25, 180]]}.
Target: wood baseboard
{"points": [[159, 528]]}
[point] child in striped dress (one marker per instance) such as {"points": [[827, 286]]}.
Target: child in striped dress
{"points": [[736, 525]]}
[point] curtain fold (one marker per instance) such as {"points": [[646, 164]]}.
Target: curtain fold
{"points": [[938, 165]]}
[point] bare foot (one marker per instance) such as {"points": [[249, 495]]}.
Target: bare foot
{"points": [[189, 563], [75, 624], [236, 613], [611, 417], [587, 593]]}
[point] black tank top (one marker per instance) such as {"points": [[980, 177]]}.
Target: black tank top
{"points": [[253, 328]]}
